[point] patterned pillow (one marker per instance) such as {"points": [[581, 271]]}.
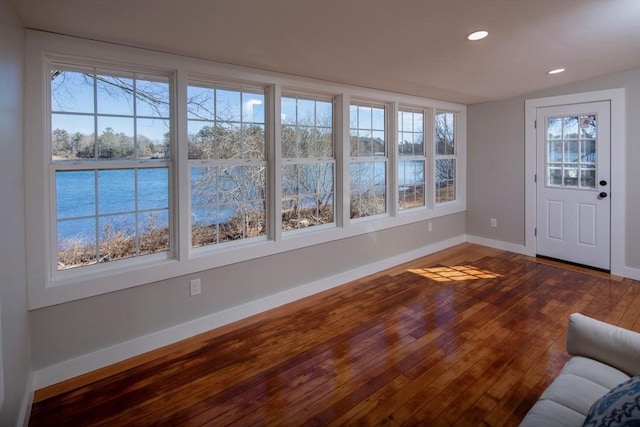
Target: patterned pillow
{"points": [[620, 407]]}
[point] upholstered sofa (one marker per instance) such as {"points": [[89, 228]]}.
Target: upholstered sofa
{"points": [[603, 357]]}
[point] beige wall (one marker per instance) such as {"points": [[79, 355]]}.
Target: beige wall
{"points": [[13, 290], [495, 187], [72, 329]]}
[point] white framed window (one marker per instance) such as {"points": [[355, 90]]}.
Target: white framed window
{"points": [[308, 161], [369, 158], [446, 157], [412, 160], [227, 162], [201, 155], [110, 164]]}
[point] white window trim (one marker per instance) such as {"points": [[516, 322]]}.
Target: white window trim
{"points": [[429, 180], [240, 161], [389, 154], [73, 274], [292, 92], [43, 291]]}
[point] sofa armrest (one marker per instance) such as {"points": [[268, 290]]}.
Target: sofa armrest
{"points": [[606, 343]]}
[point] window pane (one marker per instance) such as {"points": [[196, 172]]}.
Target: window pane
{"points": [[377, 115], [368, 189], [227, 203], [228, 140], [107, 213], [555, 151], [570, 151], [116, 191], [72, 91], [445, 180], [236, 129], [72, 137], [227, 105], [588, 127], [445, 134], [324, 114], [117, 237], [554, 128], [570, 128], [307, 180], [571, 160], [152, 98], [152, 141], [76, 243], [411, 136], [588, 151], [411, 183], [555, 175], [570, 175], [364, 117], [368, 179], [306, 112], [153, 188], [154, 231], [306, 128], [79, 202], [115, 138], [200, 103], [115, 94], [253, 108], [201, 137], [307, 195]]}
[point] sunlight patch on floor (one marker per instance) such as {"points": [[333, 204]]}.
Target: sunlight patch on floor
{"points": [[454, 273]]}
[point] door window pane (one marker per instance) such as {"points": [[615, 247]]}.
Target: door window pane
{"points": [[571, 151]]}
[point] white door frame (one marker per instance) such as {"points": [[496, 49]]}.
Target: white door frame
{"points": [[618, 169]]}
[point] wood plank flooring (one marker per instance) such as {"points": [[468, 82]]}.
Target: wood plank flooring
{"points": [[469, 336]]}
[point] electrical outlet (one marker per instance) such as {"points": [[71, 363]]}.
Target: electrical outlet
{"points": [[195, 287], [494, 222], [429, 226]]}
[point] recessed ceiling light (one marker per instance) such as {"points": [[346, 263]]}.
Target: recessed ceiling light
{"points": [[556, 71], [478, 35]]}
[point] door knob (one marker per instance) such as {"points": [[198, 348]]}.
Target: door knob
{"points": [[602, 195], [603, 182]]}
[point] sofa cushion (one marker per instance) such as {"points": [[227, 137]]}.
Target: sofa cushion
{"points": [[574, 392], [568, 399], [618, 407], [605, 375], [602, 341], [546, 413]]}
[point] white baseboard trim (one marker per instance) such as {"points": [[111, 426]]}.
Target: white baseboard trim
{"points": [[628, 272], [27, 402], [498, 244], [631, 273], [91, 361]]}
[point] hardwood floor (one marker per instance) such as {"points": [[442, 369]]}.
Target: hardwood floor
{"points": [[466, 337]]}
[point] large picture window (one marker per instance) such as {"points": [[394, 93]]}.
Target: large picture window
{"points": [[445, 167], [411, 159], [145, 166], [110, 161], [227, 163], [368, 169], [308, 162]]}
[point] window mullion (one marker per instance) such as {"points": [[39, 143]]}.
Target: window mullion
{"points": [[343, 147], [274, 162], [391, 137], [181, 214]]}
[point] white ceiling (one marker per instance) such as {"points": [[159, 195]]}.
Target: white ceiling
{"points": [[416, 47]]}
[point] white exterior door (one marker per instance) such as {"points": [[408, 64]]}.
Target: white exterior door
{"points": [[572, 183]]}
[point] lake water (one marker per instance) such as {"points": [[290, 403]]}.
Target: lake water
{"points": [[77, 204]]}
